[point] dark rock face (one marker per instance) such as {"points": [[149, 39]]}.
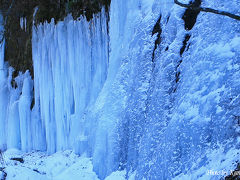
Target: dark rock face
{"points": [[18, 47], [190, 15]]}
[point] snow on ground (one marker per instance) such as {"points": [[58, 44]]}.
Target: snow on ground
{"points": [[67, 165], [64, 165], [38, 166]]}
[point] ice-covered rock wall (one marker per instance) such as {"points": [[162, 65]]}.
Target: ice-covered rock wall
{"points": [[171, 107], [151, 91]]}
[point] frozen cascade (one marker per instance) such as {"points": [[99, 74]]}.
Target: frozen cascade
{"points": [[70, 68], [163, 104], [3, 91]]}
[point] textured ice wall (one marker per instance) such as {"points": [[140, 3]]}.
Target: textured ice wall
{"points": [[171, 102], [70, 68], [178, 109]]}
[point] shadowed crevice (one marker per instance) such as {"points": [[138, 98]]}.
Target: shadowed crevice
{"points": [[185, 41], [157, 29], [190, 15]]}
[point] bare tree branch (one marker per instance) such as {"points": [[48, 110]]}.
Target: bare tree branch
{"points": [[210, 10]]}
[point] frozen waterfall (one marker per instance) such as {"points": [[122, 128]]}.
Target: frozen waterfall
{"points": [[133, 89], [70, 68]]}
